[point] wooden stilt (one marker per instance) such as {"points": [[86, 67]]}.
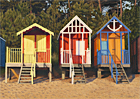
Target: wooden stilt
{"points": [[5, 74], [50, 74], [9, 73], [34, 70], [99, 74], [63, 74]]}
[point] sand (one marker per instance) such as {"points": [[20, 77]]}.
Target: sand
{"points": [[95, 88]]}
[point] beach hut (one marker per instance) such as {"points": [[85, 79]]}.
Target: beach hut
{"points": [[35, 52], [75, 48], [2, 52], [135, 55], [108, 49]]}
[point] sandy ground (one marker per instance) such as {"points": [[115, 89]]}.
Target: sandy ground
{"points": [[95, 88]]}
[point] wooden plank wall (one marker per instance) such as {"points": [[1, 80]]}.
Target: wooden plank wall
{"points": [[135, 55]]}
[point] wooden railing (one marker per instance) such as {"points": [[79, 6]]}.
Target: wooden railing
{"points": [[13, 55], [104, 58], [65, 57]]}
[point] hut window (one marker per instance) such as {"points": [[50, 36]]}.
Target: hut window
{"points": [[80, 47], [104, 47]]}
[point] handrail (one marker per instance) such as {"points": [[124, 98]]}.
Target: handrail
{"points": [[13, 55], [112, 62], [71, 67]]}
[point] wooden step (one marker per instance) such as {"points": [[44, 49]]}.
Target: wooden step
{"points": [[24, 83], [78, 77], [25, 74], [79, 80], [77, 72], [118, 72], [25, 77], [25, 71], [25, 80], [26, 68]]}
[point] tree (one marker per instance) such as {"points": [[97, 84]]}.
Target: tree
{"points": [[100, 5], [132, 20], [9, 26]]}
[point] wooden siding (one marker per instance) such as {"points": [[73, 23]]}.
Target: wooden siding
{"points": [[135, 55], [42, 45], [77, 59], [114, 46], [2, 52]]}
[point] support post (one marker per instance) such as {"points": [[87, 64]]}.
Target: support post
{"points": [[121, 45], [69, 47], [100, 41], [50, 74], [63, 74], [7, 57], [50, 48], [5, 73], [101, 46], [107, 48], [22, 48], [90, 46], [62, 49], [128, 48], [9, 73], [34, 70], [99, 74], [82, 40]]}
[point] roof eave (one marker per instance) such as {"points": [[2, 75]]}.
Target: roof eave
{"points": [[35, 25]]}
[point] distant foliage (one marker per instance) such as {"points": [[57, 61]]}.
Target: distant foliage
{"points": [[54, 15]]}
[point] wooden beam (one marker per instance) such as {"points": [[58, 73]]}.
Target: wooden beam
{"points": [[69, 47], [7, 55], [13, 71], [9, 73], [5, 73], [99, 74], [63, 74], [22, 48], [62, 48], [50, 48], [50, 74], [121, 46], [90, 46]]}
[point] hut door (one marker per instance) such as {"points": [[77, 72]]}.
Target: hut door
{"points": [[41, 48], [112, 48], [29, 48]]}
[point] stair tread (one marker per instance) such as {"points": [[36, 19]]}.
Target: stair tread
{"points": [[25, 74], [25, 77], [118, 72], [25, 80], [25, 83], [80, 80]]}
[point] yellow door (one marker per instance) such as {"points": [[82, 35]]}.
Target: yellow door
{"points": [[41, 48], [41, 43], [29, 47]]}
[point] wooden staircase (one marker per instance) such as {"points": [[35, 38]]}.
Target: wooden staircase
{"points": [[79, 76], [26, 75], [122, 77]]}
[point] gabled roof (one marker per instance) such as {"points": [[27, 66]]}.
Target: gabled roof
{"points": [[75, 18], [2, 39], [112, 20], [35, 25]]}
